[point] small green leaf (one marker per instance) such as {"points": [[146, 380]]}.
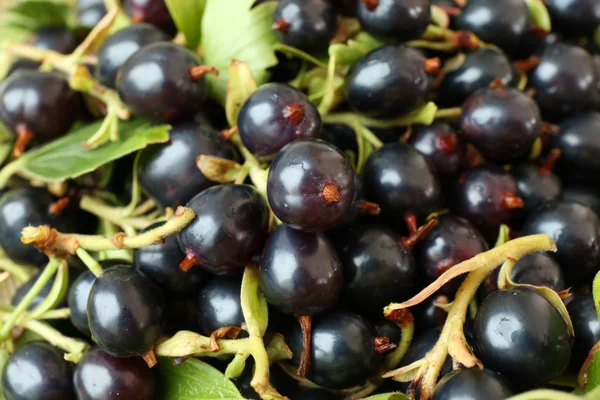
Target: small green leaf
{"points": [[596, 293], [240, 86], [503, 235], [254, 305], [65, 158], [194, 380], [5, 148], [593, 373], [388, 396], [187, 15], [538, 14], [34, 14], [237, 33], [350, 52]]}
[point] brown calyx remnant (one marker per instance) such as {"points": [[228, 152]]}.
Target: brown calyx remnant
{"points": [[548, 129], [118, 239], [281, 25], [232, 332], [228, 133], [447, 143], [368, 207], [497, 84], [370, 4], [528, 64], [150, 358], [511, 200], [188, 262], [49, 241], [306, 325], [539, 31], [331, 194], [382, 344], [402, 317], [410, 220], [465, 40], [412, 239], [451, 11], [433, 65], [294, 112], [199, 71], [59, 205], [548, 166], [24, 137]]}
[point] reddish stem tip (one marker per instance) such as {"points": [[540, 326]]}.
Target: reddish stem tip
{"points": [[382, 344], [306, 326], [150, 358], [368, 207], [370, 4], [59, 205], [331, 194], [281, 25], [547, 167], [447, 143], [402, 317], [188, 262], [412, 239], [539, 31], [451, 11], [497, 84], [527, 64], [548, 129], [511, 201], [465, 40], [24, 137], [137, 18], [294, 112], [433, 65], [228, 133], [199, 71], [410, 220]]}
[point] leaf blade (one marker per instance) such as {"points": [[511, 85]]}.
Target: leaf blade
{"points": [[187, 15]]}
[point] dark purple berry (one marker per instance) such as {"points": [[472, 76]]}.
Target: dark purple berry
{"points": [[586, 326], [154, 12], [580, 147], [473, 383], [219, 304], [574, 17], [401, 20], [440, 143]]}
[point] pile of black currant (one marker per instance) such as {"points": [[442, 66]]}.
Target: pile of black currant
{"points": [[300, 199]]}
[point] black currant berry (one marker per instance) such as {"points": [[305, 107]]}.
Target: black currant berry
{"points": [[117, 49], [311, 185], [580, 147], [576, 230], [61, 40], [502, 23], [389, 81], [308, 25], [100, 376], [169, 173], [523, 336], [479, 69], [583, 194], [154, 12], [503, 123], [78, 300], [37, 370], [275, 115], [487, 196], [230, 227], [90, 12], [160, 262], [564, 81], [163, 82], [378, 269], [401, 180], [341, 136], [402, 20], [343, 354], [33, 104], [574, 17], [28, 206], [452, 241], [219, 304], [125, 311], [440, 143], [586, 326], [473, 383], [537, 184]]}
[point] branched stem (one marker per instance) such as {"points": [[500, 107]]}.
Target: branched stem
{"points": [[424, 115], [75, 348], [20, 272]]}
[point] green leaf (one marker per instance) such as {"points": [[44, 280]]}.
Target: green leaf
{"points": [[65, 158], [5, 149], [593, 376], [596, 293], [237, 33], [538, 14], [240, 86], [254, 304], [350, 52], [187, 15], [194, 380], [33, 14], [388, 396]]}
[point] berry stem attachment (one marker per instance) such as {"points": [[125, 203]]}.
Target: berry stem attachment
{"points": [[548, 166], [90, 262], [369, 208], [199, 71], [24, 137], [452, 339], [306, 325], [411, 240]]}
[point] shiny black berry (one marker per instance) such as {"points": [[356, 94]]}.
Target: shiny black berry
{"points": [[154, 12], [308, 25], [586, 326], [503, 123], [61, 40], [580, 147], [574, 17], [169, 173], [37, 370], [101, 376], [311, 185], [125, 311], [275, 115], [219, 304], [388, 82], [402, 20], [441, 144], [78, 300], [90, 12], [537, 184], [163, 82], [473, 383], [230, 227], [117, 49], [583, 194], [523, 336]]}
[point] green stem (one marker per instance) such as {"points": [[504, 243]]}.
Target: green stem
{"points": [[450, 113], [596, 293], [298, 53], [19, 272], [393, 359], [116, 215], [136, 192], [59, 313], [424, 115], [439, 46], [90, 262], [12, 168], [37, 287], [60, 62], [74, 347]]}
